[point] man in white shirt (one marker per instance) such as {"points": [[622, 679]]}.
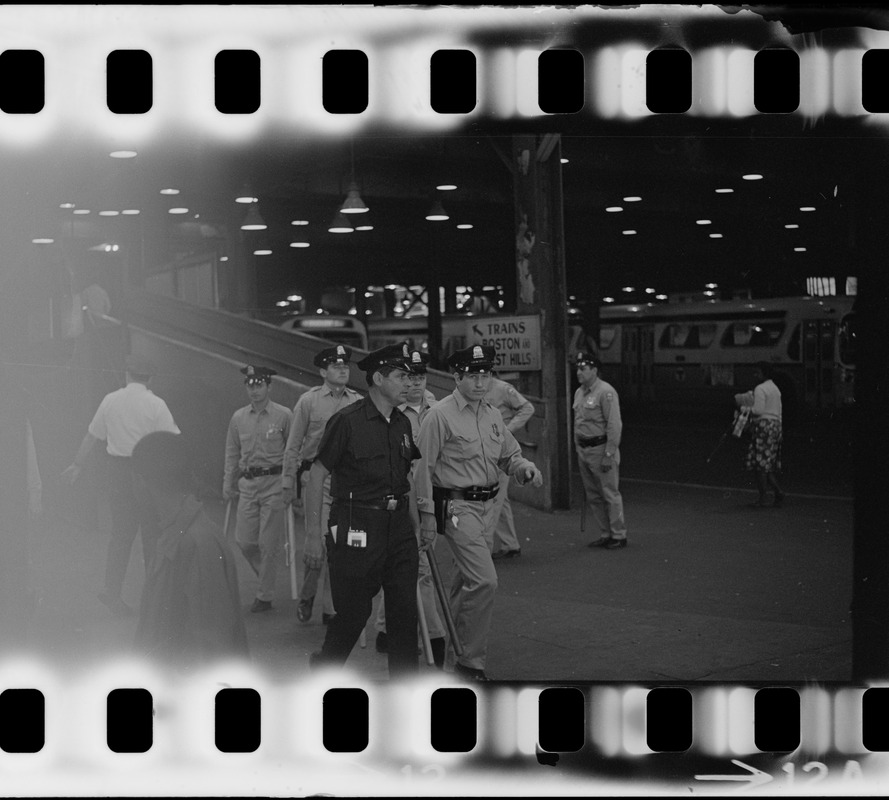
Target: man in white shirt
{"points": [[122, 419]]}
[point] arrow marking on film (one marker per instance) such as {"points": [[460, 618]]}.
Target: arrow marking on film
{"points": [[755, 778]]}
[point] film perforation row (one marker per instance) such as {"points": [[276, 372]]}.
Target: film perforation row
{"points": [[453, 81]]}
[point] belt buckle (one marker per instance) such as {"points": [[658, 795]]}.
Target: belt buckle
{"points": [[391, 502]]}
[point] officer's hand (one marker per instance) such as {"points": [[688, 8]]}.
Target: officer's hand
{"points": [[287, 495], [314, 552], [229, 494], [534, 475], [427, 536], [71, 473], [607, 463]]}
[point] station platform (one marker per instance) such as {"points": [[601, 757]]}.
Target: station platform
{"points": [[708, 589]]}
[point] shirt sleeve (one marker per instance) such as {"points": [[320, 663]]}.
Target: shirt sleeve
{"points": [[511, 459], [232, 456], [759, 400], [297, 434], [97, 426], [523, 408], [613, 425], [333, 442], [433, 431], [165, 419]]}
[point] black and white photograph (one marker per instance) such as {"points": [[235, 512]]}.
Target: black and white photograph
{"points": [[443, 400]]}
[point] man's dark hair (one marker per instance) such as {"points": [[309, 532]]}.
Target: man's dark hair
{"points": [[766, 369], [162, 459], [385, 371]]}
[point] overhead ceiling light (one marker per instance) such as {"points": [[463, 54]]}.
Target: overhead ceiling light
{"points": [[613, 209], [299, 244], [294, 298], [282, 304], [708, 293], [703, 222], [446, 187], [752, 176], [364, 225], [130, 212], [108, 213], [660, 297], [253, 221], [177, 210], [169, 191], [353, 204], [791, 226], [807, 208], [649, 290], [799, 249], [223, 258], [43, 240], [563, 160], [628, 289], [715, 235], [607, 299], [299, 222], [437, 212], [724, 191], [246, 195], [81, 211], [340, 225], [262, 251], [630, 232], [711, 286], [632, 199], [123, 154], [464, 226], [66, 205]]}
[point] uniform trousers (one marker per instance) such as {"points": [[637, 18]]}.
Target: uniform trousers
{"points": [[601, 491], [260, 529], [130, 513], [471, 596], [390, 561], [311, 575], [504, 532], [427, 594]]}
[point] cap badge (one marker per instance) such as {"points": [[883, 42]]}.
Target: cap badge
{"points": [[406, 353], [415, 357], [340, 351], [477, 352], [250, 372]]}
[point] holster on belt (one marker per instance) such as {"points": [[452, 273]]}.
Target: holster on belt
{"points": [[305, 466], [440, 506]]}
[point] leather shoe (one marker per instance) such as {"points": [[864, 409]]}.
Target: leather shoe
{"points": [[616, 544], [438, 651], [304, 610], [603, 542], [382, 645], [507, 554], [327, 618], [115, 605], [470, 673], [260, 605]]}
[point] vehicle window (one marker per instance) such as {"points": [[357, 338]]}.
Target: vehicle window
{"points": [[848, 340], [606, 336], [752, 334], [688, 336], [793, 344]]}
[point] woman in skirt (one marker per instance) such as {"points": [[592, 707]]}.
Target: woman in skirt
{"points": [[764, 452]]}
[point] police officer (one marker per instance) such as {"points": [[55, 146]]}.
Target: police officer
{"points": [[597, 429], [464, 445], [367, 449], [418, 401], [254, 454], [516, 411], [310, 415]]}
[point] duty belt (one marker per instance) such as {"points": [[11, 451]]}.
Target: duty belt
{"points": [[391, 502], [591, 441], [256, 472], [472, 493]]}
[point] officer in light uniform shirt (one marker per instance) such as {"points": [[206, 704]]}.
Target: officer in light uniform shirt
{"points": [[310, 415], [254, 454], [597, 429], [464, 446], [516, 411]]}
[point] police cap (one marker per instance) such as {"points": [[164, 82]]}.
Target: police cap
{"points": [[341, 354], [418, 362], [475, 358], [585, 359], [257, 374], [393, 355]]}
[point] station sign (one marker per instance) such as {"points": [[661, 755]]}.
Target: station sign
{"points": [[516, 339]]}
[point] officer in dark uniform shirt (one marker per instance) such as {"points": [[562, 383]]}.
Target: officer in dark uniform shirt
{"points": [[368, 448]]}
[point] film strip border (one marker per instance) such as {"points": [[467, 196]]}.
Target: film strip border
{"points": [[425, 721], [442, 87]]}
